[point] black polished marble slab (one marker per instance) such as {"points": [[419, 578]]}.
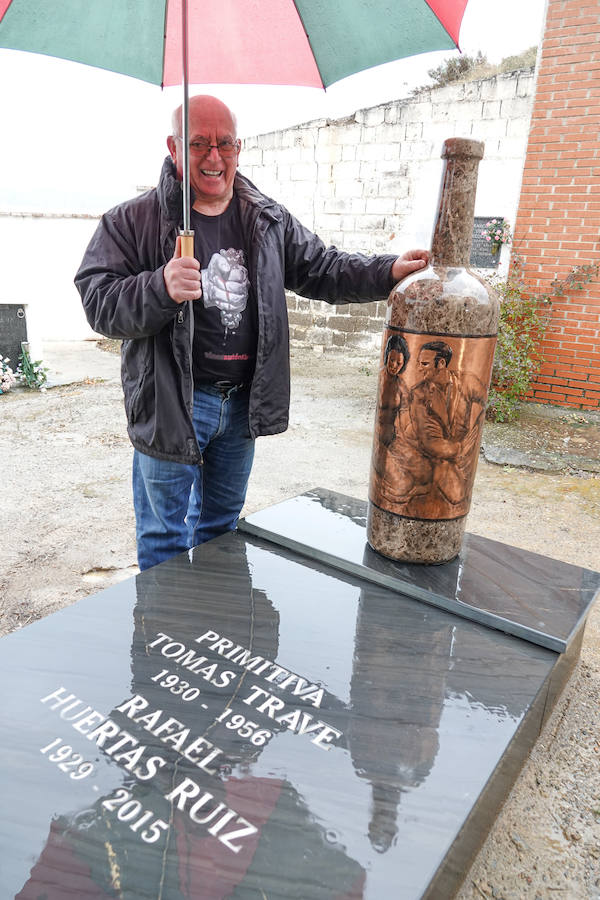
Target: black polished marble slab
{"points": [[243, 722], [524, 594]]}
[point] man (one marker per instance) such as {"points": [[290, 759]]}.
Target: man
{"points": [[447, 410], [203, 379]]}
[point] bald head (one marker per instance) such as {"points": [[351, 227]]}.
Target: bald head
{"points": [[214, 152], [203, 107]]}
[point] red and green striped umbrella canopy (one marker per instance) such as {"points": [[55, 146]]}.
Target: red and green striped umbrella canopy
{"points": [[284, 42]]}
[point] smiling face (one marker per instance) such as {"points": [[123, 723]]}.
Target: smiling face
{"points": [[211, 176]]}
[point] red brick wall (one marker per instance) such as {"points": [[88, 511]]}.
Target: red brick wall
{"points": [[558, 221]]}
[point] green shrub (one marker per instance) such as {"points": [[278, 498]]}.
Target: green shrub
{"points": [[471, 68], [524, 320], [524, 60], [457, 68], [31, 374]]}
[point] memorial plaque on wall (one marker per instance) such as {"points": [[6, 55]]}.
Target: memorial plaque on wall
{"points": [[481, 253], [246, 723]]}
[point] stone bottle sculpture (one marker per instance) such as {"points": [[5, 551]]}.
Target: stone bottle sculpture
{"points": [[436, 364]]}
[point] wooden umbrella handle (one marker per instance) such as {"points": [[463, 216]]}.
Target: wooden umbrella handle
{"points": [[187, 243]]}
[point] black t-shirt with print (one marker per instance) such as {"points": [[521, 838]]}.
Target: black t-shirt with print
{"points": [[225, 317]]}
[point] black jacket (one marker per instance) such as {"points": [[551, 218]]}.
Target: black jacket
{"points": [[124, 296]]}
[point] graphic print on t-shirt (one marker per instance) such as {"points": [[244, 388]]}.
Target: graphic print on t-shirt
{"points": [[225, 285], [226, 316]]}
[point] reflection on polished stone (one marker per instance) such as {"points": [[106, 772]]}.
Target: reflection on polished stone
{"points": [[530, 596], [242, 722]]}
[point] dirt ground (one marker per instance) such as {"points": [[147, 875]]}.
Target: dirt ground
{"points": [[68, 530]]}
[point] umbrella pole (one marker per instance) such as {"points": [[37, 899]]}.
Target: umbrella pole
{"points": [[187, 235]]}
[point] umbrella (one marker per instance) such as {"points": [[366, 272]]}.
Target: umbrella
{"points": [[285, 42]]}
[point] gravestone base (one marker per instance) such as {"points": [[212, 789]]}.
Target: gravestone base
{"points": [[250, 720]]}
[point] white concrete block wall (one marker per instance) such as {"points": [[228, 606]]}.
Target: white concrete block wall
{"points": [[378, 175]]}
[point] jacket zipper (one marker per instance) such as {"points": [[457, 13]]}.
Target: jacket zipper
{"points": [[192, 442]]}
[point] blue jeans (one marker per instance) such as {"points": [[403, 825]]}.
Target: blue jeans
{"points": [[178, 506]]}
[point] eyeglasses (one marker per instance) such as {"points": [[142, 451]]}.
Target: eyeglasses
{"points": [[201, 147]]}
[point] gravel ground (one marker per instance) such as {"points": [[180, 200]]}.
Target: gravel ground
{"points": [[66, 508]]}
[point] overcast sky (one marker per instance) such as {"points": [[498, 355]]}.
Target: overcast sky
{"points": [[75, 138]]}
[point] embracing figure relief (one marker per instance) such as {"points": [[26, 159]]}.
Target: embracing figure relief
{"points": [[428, 433]]}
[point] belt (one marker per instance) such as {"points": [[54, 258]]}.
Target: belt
{"points": [[227, 385]]}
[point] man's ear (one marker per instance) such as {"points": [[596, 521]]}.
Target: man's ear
{"points": [[172, 145]]}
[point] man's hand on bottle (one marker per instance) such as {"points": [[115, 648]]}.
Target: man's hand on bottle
{"points": [[409, 262], [182, 276]]}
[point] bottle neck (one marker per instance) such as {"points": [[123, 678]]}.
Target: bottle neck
{"points": [[453, 230]]}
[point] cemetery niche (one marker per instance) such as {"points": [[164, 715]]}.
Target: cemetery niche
{"points": [[248, 721], [481, 252], [13, 332]]}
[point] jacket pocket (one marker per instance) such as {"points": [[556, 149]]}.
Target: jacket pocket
{"points": [[137, 365]]}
